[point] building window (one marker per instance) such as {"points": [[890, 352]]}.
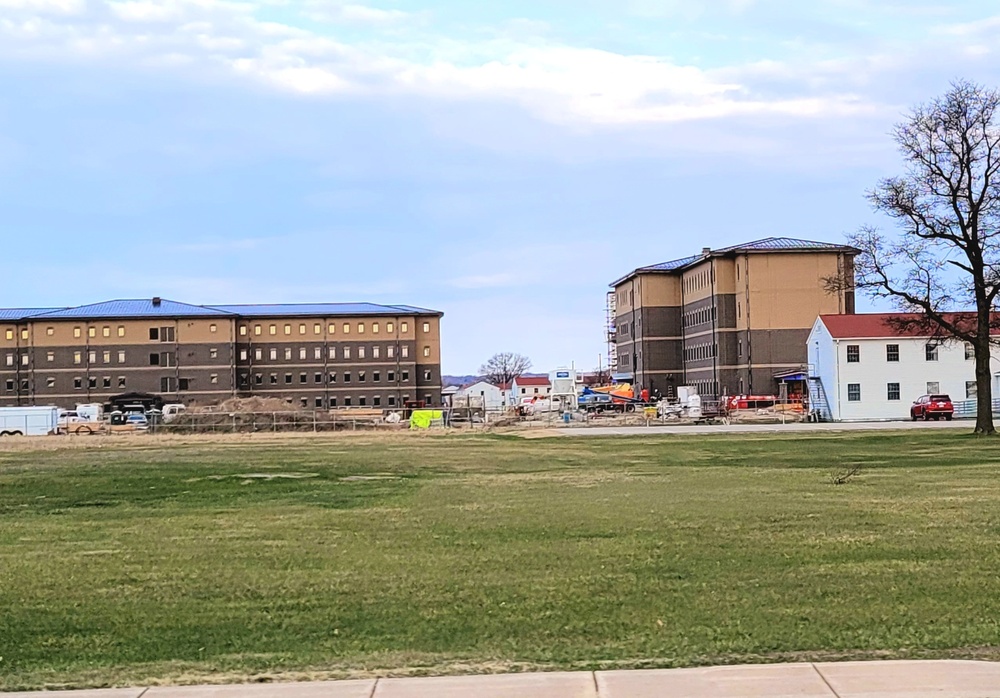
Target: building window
{"points": [[50, 356], [106, 331], [243, 330], [303, 378], [333, 402], [427, 352], [257, 330], [106, 357], [361, 401], [404, 375], [243, 354], [121, 381], [377, 401], [214, 379], [272, 330], [92, 382], [892, 353], [154, 334], [50, 382], [213, 353], [361, 376], [319, 402], [272, 354], [374, 328], [288, 329], [76, 333], [347, 376], [361, 352], [121, 357], [854, 392], [375, 351], [183, 383], [331, 328], [390, 351], [931, 352], [376, 376], [933, 387], [213, 328], [317, 353], [853, 353], [77, 384], [9, 334], [302, 353], [77, 358], [970, 351], [302, 328], [406, 351], [390, 327], [106, 382], [274, 379], [258, 379], [347, 352], [24, 359], [92, 357], [333, 377], [390, 376], [392, 401], [91, 331], [168, 384], [317, 328], [318, 378], [333, 352], [288, 353], [892, 391], [403, 327], [427, 327], [347, 402], [361, 328], [427, 375], [154, 359], [50, 331], [347, 330], [971, 390], [288, 378]]}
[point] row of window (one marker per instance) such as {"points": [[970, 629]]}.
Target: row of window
{"points": [[693, 282], [892, 390], [698, 317], [361, 352], [892, 352], [322, 378], [701, 352], [317, 328], [166, 334]]}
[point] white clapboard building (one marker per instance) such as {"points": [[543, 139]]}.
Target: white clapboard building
{"points": [[862, 367]]}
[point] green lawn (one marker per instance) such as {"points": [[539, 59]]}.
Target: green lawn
{"points": [[141, 560]]}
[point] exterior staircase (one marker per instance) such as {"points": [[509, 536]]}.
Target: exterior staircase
{"points": [[819, 405]]}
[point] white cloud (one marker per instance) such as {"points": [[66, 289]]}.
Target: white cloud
{"points": [[44, 6], [328, 11], [483, 281]]}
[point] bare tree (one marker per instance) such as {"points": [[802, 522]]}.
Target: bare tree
{"points": [[504, 367], [946, 206]]}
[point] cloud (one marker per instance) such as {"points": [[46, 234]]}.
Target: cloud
{"points": [[44, 6], [330, 11], [483, 281]]}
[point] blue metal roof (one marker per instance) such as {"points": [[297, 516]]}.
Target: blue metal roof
{"points": [[21, 313], [321, 309], [128, 308], [769, 244], [764, 245]]}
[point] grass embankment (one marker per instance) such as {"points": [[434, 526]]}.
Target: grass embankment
{"points": [[145, 561]]}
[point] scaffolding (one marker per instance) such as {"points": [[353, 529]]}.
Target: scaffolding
{"points": [[610, 314]]}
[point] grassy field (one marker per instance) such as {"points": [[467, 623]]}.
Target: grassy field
{"points": [[147, 560]]}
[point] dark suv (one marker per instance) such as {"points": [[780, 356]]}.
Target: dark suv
{"points": [[932, 407]]}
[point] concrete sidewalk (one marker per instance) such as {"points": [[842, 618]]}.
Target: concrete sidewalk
{"points": [[890, 679]]}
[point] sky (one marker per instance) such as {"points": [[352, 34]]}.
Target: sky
{"points": [[502, 162]]}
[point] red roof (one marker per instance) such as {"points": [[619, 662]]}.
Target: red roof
{"points": [[531, 380], [876, 325]]}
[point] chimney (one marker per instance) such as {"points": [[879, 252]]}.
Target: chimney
{"points": [[156, 301], [705, 251]]}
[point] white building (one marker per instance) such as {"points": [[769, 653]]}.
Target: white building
{"points": [[528, 387], [863, 368], [480, 394]]}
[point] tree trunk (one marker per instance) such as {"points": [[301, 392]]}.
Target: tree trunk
{"points": [[984, 389]]}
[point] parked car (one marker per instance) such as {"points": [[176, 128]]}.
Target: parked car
{"points": [[932, 407], [138, 421]]}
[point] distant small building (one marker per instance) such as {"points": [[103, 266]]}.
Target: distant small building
{"points": [[479, 394], [863, 367], [529, 387]]}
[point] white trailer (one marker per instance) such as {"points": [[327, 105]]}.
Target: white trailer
{"points": [[29, 421]]}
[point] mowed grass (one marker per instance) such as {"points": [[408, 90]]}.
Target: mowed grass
{"points": [[145, 560]]}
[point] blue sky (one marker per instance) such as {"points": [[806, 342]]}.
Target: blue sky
{"points": [[501, 162]]}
